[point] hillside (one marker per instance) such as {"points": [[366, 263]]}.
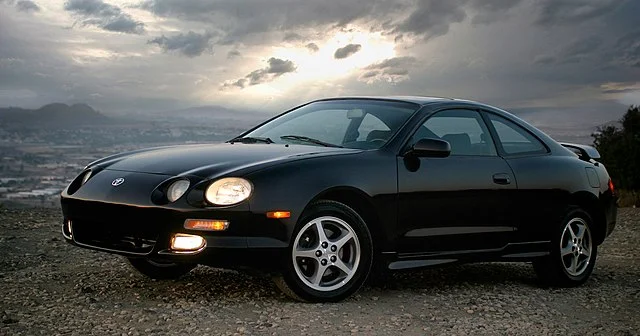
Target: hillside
{"points": [[53, 115]]}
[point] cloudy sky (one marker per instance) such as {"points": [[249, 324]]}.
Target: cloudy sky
{"points": [[565, 61]]}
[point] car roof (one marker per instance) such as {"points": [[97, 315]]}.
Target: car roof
{"points": [[420, 100]]}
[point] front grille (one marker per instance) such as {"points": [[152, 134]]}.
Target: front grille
{"points": [[122, 238]]}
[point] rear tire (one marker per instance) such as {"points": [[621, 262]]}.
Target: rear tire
{"points": [[160, 270], [330, 254], [573, 252]]}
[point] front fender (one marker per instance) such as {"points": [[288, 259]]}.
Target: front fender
{"points": [[294, 185]]}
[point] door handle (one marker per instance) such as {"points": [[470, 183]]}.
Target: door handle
{"points": [[501, 178]]}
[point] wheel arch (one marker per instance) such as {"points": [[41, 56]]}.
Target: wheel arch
{"points": [[361, 203], [589, 203]]}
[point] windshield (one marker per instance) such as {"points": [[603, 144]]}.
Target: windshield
{"points": [[361, 124]]}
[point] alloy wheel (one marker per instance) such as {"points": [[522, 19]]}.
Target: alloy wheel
{"points": [[576, 246], [326, 253]]}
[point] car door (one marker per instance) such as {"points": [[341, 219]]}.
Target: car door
{"points": [[457, 203], [539, 200]]}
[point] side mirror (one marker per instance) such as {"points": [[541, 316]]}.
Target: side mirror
{"points": [[431, 148]]}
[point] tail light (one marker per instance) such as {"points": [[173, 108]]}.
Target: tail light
{"points": [[611, 187]]}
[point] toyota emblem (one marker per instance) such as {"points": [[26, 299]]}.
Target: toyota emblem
{"points": [[118, 181]]}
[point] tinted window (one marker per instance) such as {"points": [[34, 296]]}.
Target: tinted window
{"points": [[463, 129], [365, 124], [515, 139], [327, 125]]}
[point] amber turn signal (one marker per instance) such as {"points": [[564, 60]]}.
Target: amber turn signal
{"points": [[278, 214], [206, 224]]}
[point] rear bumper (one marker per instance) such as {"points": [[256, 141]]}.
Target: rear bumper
{"points": [[251, 241]]}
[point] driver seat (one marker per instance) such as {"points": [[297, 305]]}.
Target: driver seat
{"points": [[378, 134]]}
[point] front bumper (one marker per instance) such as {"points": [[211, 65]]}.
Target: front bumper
{"points": [[251, 241]]}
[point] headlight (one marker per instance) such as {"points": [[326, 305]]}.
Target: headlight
{"points": [[86, 177], [177, 189], [228, 191]]}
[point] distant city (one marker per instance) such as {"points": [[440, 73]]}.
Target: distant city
{"points": [[42, 150]]}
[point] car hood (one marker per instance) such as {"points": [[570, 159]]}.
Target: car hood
{"points": [[211, 159]]}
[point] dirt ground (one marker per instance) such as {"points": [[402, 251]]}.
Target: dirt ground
{"points": [[49, 287]]}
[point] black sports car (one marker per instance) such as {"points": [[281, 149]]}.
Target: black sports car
{"points": [[323, 195]]}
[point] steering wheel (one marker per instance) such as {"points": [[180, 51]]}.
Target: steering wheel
{"points": [[378, 142]]}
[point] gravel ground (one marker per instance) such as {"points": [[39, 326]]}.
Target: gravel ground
{"points": [[51, 288]]}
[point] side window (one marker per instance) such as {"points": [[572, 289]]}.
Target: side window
{"points": [[372, 128], [515, 139], [465, 131]]}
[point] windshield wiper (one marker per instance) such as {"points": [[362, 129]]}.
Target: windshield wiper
{"points": [[307, 139], [251, 140]]}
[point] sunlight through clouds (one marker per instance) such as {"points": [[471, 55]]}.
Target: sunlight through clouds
{"points": [[322, 65]]}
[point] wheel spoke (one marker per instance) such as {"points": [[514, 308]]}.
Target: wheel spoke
{"points": [[305, 253], [585, 252], [574, 264], [342, 266], [566, 250], [573, 234], [317, 276], [581, 230], [322, 236], [342, 241]]}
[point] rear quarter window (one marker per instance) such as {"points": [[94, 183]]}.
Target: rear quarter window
{"points": [[514, 139]]}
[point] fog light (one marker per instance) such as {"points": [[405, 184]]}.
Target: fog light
{"points": [[187, 242], [206, 224]]}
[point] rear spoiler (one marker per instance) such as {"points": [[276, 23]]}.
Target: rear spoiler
{"points": [[584, 152]]}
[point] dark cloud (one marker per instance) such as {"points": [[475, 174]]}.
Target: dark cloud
{"points": [[293, 37], [104, 15], [22, 5], [575, 52], [276, 68], [489, 11], [190, 44], [233, 54], [347, 51], [432, 18], [580, 49], [242, 18], [312, 47], [392, 70], [567, 12], [27, 6], [627, 50], [395, 62], [544, 59], [395, 72], [370, 74]]}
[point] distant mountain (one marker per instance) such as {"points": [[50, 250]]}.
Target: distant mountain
{"points": [[55, 114]]}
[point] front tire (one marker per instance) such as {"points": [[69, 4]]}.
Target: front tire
{"points": [[160, 270], [330, 254], [573, 252]]}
